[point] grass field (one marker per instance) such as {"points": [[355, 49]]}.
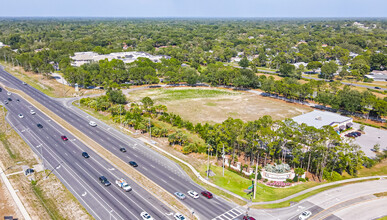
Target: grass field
{"points": [[215, 105]]}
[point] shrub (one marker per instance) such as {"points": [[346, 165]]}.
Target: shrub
{"points": [[295, 179], [302, 180], [264, 180], [259, 176], [289, 180]]}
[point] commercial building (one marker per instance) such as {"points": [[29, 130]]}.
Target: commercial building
{"points": [[378, 75], [318, 119], [81, 58]]}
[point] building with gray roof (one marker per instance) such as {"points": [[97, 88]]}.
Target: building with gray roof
{"points": [[318, 119]]}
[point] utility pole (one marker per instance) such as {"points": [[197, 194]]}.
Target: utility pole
{"points": [[223, 159], [256, 176], [150, 129], [208, 165]]}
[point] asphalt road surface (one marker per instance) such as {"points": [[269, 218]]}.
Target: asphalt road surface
{"points": [[158, 168], [78, 174]]}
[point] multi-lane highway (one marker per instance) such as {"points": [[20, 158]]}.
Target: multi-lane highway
{"points": [[158, 168], [80, 175]]}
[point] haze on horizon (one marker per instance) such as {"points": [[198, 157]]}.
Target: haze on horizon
{"points": [[194, 8]]}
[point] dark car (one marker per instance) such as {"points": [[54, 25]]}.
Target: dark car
{"points": [[17, 100], [357, 133], [133, 164], [377, 87], [122, 149], [1, 89], [104, 180], [85, 155], [207, 194], [246, 217], [9, 99], [39, 126], [64, 138]]}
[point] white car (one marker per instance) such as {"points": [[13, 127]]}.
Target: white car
{"points": [[146, 216], [193, 194], [304, 215], [179, 216], [92, 123], [20, 116], [24, 83], [32, 112], [9, 93]]}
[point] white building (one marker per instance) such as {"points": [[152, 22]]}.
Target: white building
{"points": [[318, 119], [81, 58]]}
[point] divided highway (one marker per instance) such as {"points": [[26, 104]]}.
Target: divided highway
{"points": [[156, 167], [80, 175]]}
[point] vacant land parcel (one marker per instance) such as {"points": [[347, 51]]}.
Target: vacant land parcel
{"points": [[216, 105]]}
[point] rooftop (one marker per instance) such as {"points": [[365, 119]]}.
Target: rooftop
{"points": [[318, 119]]}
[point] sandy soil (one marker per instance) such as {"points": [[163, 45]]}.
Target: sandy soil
{"points": [[243, 105]]}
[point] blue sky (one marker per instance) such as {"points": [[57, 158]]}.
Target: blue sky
{"points": [[194, 8]]}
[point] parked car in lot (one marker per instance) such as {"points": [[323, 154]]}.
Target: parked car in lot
{"points": [[207, 194], [64, 138], [39, 126], [304, 215], [104, 180], [146, 216], [92, 123], [193, 194], [353, 134], [32, 112], [122, 149], [133, 164], [85, 155], [20, 115], [179, 216], [179, 195]]}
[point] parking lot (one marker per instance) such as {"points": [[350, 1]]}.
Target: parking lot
{"points": [[371, 137]]}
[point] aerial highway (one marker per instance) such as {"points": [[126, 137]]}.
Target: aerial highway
{"points": [[79, 174], [156, 167]]}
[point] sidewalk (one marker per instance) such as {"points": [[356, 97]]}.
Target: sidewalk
{"points": [[14, 195]]}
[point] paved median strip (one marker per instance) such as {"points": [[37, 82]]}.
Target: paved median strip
{"points": [[149, 185]]}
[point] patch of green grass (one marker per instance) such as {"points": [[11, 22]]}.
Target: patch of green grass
{"points": [[383, 218], [210, 104], [377, 170], [382, 194], [304, 196], [48, 203], [179, 94], [6, 144], [236, 184]]}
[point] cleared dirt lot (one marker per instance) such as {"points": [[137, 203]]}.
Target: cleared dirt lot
{"points": [[215, 105]]}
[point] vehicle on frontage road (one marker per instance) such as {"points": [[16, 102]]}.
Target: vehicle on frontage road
{"points": [[123, 184], [193, 194], [304, 215], [104, 180], [207, 194], [146, 216], [179, 195], [179, 216]]}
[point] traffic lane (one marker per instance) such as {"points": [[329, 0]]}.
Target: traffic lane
{"points": [[368, 210], [90, 203], [96, 166], [49, 100], [314, 210], [69, 162]]}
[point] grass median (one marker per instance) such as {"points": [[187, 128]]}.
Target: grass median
{"points": [[135, 175]]}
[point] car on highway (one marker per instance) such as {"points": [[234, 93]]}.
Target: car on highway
{"points": [[304, 215], [64, 138], [179, 216], [133, 164], [85, 155], [146, 216], [1, 89], [20, 115], [92, 123], [32, 112], [9, 99], [24, 83], [179, 195], [122, 149], [9, 93], [207, 194], [377, 87], [5, 102], [246, 217], [39, 125], [193, 194], [104, 180]]}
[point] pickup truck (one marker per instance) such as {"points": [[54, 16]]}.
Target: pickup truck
{"points": [[123, 184]]}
